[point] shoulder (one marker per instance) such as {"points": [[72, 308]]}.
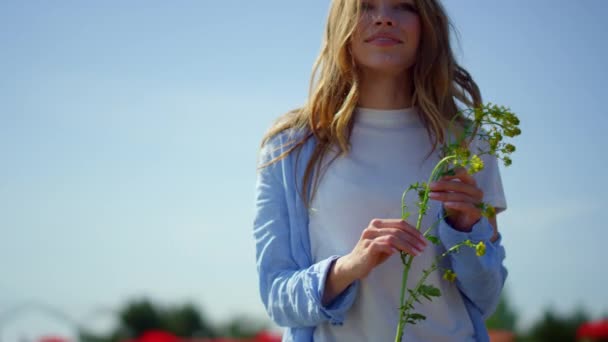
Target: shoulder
{"points": [[288, 137], [284, 141]]}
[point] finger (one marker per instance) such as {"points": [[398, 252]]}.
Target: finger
{"points": [[382, 247], [401, 245], [460, 171], [372, 233], [397, 223], [461, 174], [456, 187], [444, 186], [381, 223], [476, 197], [463, 207], [389, 223], [369, 233], [418, 240]]}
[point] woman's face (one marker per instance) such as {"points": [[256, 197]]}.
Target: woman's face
{"points": [[387, 36]]}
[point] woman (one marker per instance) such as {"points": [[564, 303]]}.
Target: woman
{"points": [[386, 89]]}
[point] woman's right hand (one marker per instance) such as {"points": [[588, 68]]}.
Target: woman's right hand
{"points": [[378, 242]]}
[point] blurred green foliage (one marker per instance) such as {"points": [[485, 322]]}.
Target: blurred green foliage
{"points": [[139, 316]]}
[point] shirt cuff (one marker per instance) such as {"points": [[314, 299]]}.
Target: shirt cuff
{"points": [[450, 236], [336, 310]]}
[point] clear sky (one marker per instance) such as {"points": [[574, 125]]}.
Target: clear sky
{"points": [[129, 132]]}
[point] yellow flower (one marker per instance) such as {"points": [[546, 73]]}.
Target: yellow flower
{"points": [[476, 164], [449, 275], [512, 132], [488, 210], [509, 148], [480, 249]]}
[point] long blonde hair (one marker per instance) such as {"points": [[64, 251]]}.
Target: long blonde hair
{"points": [[334, 85]]}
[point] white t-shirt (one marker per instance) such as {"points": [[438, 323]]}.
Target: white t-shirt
{"points": [[387, 154]]}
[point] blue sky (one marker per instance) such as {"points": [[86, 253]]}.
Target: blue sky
{"points": [[129, 132]]}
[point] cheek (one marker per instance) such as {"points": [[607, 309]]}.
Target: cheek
{"points": [[412, 27], [357, 38], [362, 26]]}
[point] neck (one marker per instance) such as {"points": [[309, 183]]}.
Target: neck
{"points": [[382, 91]]}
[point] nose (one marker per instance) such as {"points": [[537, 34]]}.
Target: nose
{"points": [[384, 17]]}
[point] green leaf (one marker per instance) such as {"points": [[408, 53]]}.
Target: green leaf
{"points": [[407, 307], [429, 291], [413, 318], [433, 239], [417, 316], [414, 295]]}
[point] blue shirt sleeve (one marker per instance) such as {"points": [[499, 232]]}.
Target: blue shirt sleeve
{"points": [[480, 279], [291, 294]]}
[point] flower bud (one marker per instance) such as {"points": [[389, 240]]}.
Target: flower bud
{"points": [[509, 148], [449, 275], [488, 211], [480, 249], [476, 164]]}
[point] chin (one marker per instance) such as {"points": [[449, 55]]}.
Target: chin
{"points": [[385, 64], [385, 68]]}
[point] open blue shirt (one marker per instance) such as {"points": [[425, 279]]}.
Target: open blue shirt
{"points": [[291, 286]]}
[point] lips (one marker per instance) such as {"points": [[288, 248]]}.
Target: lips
{"points": [[383, 37]]}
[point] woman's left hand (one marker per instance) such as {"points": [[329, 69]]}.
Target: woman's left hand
{"points": [[459, 194]]}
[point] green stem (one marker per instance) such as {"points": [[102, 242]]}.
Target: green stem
{"points": [[409, 260], [403, 206], [433, 176], [494, 123], [425, 275], [437, 172], [433, 225], [406, 271]]}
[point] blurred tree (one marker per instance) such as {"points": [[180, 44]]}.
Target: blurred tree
{"points": [[139, 316], [86, 337], [242, 327], [114, 336], [556, 328], [187, 321], [505, 317]]}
